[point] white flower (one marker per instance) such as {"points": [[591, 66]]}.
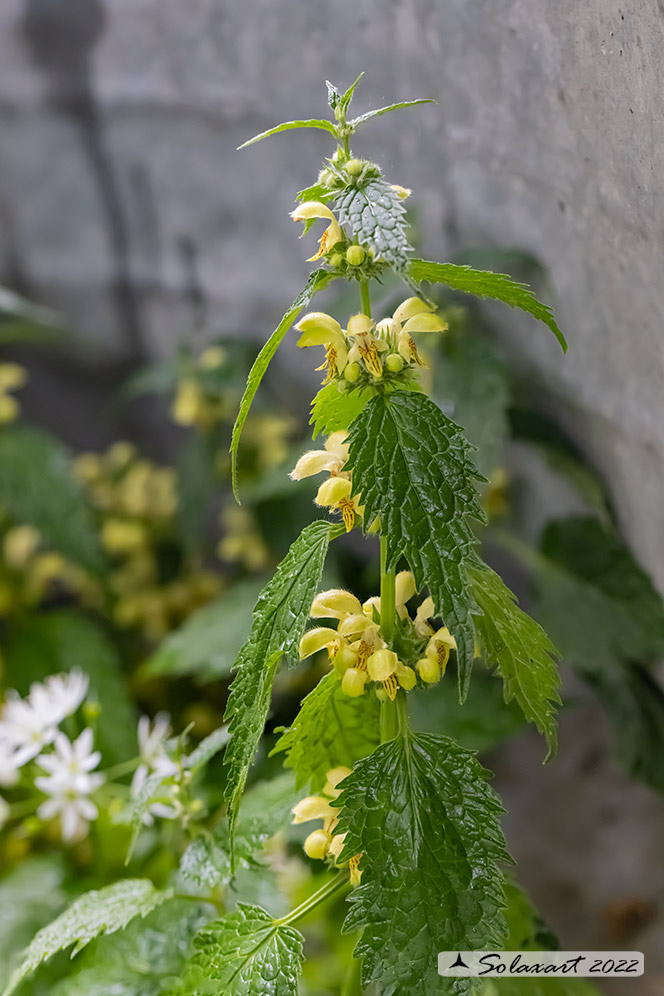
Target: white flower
{"points": [[4, 812], [28, 725], [69, 783], [8, 765], [152, 737], [60, 695]]}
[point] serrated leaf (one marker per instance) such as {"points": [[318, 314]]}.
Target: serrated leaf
{"points": [[484, 283], [266, 809], [390, 107], [280, 617], [605, 614], [523, 654], [426, 822], [471, 385], [208, 642], [376, 216], [332, 410], [37, 487], [320, 124], [140, 959], [331, 730], [413, 468], [246, 953], [99, 912], [45, 643], [316, 282]]}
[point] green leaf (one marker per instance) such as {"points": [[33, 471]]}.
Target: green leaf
{"points": [[376, 216], [426, 822], [207, 644], [266, 810], [321, 124], [23, 321], [527, 931], [280, 617], [605, 614], [332, 410], [316, 282], [413, 468], [483, 283], [139, 960], [31, 894], [348, 95], [37, 487], [100, 912], [39, 645], [246, 953], [331, 730], [385, 110], [522, 652], [207, 748], [471, 385]]}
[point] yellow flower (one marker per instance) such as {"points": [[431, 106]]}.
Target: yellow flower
{"points": [[316, 639], [314, 807], [319, 329], [123, 535], [336, 493], [19, 545], [12, 377], [317, 844], [353, 682], [316, 209], [335, 604], [366, 345], [212, 357], [332, 458], [432, 667]]}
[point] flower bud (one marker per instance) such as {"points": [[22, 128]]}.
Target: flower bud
{"points": [[315, 639], [317, 843], [332, 491], [394, 362], [404, 587], [326, 177], [370, 605], [428, 670], [335, 603], [314, 807], [406, 676], [355, 255], [352, 372], [356, 625], [354, 167], [353, 682], [335, 260], [382, 664]]}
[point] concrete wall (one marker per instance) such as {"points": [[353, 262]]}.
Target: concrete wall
{"points": [[124, 203]]}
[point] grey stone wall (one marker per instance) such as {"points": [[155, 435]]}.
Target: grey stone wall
{"points": [[124, 203]]}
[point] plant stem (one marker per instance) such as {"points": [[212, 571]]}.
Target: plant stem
{"points": [[365, 296], [389, 721], [331, 886]]}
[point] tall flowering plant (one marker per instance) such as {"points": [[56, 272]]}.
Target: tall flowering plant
{"points": [[404, 822]]}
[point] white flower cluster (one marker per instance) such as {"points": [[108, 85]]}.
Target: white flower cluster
{"points": [[152, 740], [28, 728]]}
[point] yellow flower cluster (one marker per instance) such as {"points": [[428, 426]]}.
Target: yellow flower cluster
{"points": [[242, 542], [30, 574], [138, 502], [12, 377], [193, 405], [366, 352], [336, 491], [324, 842], [359, 653]]}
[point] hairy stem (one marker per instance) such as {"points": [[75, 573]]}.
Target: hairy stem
{"points": [[365, 297]]}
